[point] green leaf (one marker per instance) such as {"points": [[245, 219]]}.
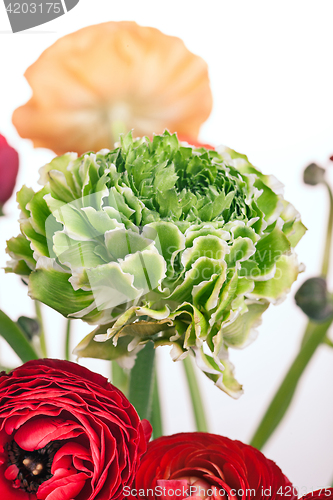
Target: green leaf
{"points": [[195, 394], [15, 337], [141, 381], [156, 414]]}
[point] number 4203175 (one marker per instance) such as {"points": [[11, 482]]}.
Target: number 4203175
{"points": [[34, 8]]}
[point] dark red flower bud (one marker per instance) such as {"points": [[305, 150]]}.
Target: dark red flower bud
{"points": [[9, 163]]}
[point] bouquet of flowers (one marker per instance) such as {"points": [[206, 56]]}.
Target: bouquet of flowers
{"points": [[156, 240]]}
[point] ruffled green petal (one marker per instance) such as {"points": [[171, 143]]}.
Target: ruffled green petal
{"points": [[52, 287], [276, 289]]}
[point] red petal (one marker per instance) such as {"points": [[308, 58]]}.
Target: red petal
{"points": [[37, 433], [63, 489], [147, 429], [8, 492], [11, 472]]}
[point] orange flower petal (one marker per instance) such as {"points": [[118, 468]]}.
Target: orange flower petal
{"points": [[113, 77]]}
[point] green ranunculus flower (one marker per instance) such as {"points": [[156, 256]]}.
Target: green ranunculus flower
{"points": [[159, 241]]}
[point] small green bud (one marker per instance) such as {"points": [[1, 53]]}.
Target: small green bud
{"points": [[314, 299], [313, 174], [29, 326]]}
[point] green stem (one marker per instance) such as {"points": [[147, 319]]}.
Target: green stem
{"points": [[156, 416], [197, 404], [119, 377], [68, 340], [285, 393], [310, 328], [328, 243], [39, 316], [141, 381], [328, 342], [17, 340]]}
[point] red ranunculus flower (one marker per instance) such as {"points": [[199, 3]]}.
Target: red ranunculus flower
{"points": [[207, 466], [66, 433], [323, 494], [9, 163]]}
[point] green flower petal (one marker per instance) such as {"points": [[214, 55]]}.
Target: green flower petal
{"points": [[205, 246], [241, 332], [19, 248], [276, 289], [23, 197], [53, 288]]}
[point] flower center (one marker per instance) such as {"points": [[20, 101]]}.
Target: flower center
{"points": [[33, 467]]}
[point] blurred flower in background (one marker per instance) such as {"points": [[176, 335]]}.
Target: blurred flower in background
{"points": [[109, 78], [9, 164]]}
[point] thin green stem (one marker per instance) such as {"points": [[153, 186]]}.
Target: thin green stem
{"points": [[17, 340], [285, 393], [197, 403], [42, 340], [328, 243], [328, 342], [141, 381], [156, 415], [119, 377], [68, 339], [310, 328]]}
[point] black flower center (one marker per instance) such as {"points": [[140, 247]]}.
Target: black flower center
{"points": [[34, 466]]}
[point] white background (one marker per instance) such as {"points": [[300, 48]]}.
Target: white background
{"points": [[271, 73]]}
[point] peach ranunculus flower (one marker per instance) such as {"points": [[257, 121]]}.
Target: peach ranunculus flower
{"points": [[109, 78]]}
